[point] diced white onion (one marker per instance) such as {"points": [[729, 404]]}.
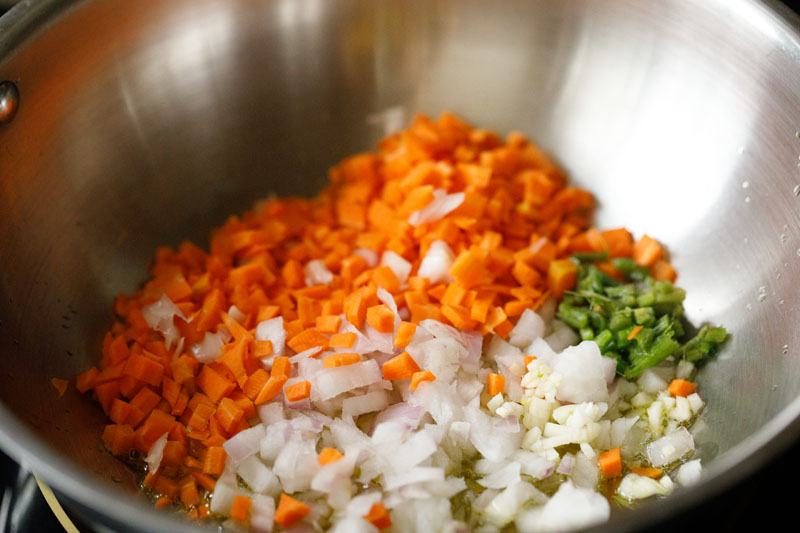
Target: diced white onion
{"points": [[210, 348], [436, 263], [245, 443], [400, 266], [316, 273], [670, 447], [272, 330], [334, 381], [441, 205], [160, 316], [156, 453]]}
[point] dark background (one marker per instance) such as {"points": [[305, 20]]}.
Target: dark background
{"points": [[765, 501]]}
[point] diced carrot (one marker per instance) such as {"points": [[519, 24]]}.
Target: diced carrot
{"points": [[378, 516], [214, 384], [561, 276], [228, 414], [328, 323], [343, 340], [646, 251], [610, 463], [405, 332], [528, 359], [525, 274], [240, 507], [619, 242], [386, 278], [173, 453], [381, 318], [255, 383], [654, 473], [144, 369], [307, 339], [205, 480], [298, 391], [234, 358], [120, 410], [458, 316], [270, 389], [235, 328], [340, 359], [419, 377], [329, 455], [262, 349], [60, 385], [469, 270], [118, 438], [156, 424], [290, 510], [663, 271], [214, 462], [496, 384], [86, 381], [355, 308], [400, 367], [635, 331], [681, 387], [106, 393], [189, 494], [183, 369], [281, 367]]}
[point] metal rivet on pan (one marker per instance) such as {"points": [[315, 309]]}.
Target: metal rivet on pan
{"points": [[9, 101]]}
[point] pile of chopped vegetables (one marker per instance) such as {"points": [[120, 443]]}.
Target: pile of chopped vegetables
{"points": [[439, 341]]}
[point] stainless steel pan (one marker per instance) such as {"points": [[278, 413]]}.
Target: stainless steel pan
{"points": [[143, 123]]}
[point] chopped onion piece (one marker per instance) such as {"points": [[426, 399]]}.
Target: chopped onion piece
{"points": [[436, 263], [156, 453], [334, 381], [689, 473], [400, 267], [210, 348], [160, 316], [245, 443], [258, 476], [262, 513], [670, 447], [272, 330], [530, 326], [365, 403], [418, 474], [440, 207], [505, 477], [570, 508], [316, 273]]}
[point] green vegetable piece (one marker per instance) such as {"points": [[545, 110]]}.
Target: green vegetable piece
{"points": [[590, 257], [605, 341], [576, 317], [705, 343], [624, 264], [644, 316], [622, 318]]}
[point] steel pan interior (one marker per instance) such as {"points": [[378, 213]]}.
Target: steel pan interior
{"points": [[141, 124]]}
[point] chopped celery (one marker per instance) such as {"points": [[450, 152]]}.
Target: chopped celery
{"points": [[606, 310]]}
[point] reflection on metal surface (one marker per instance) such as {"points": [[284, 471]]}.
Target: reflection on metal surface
{"points": [[9, 101]]}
